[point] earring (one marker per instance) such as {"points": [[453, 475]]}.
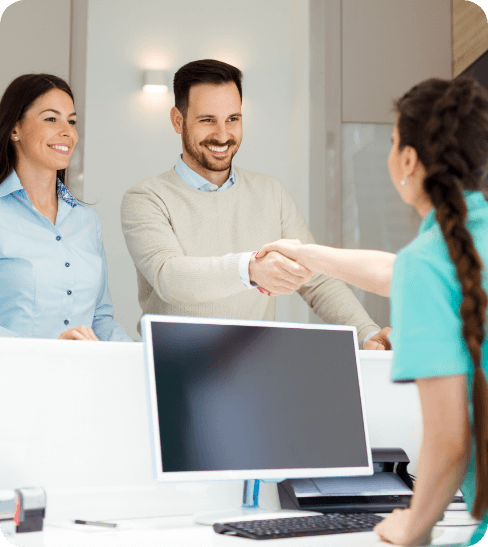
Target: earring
{"points": [[403, 182], [15, 138]]}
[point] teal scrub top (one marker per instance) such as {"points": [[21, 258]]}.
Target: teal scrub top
{"points": [[427, 327]]}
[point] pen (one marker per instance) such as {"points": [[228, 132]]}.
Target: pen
{"points": [[96, 523]]}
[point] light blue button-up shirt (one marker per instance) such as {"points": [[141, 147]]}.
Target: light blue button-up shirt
{"points": [[52, 277], [193, 179]]}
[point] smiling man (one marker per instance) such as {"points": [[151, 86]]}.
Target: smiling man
{"points": [[193, 232]]}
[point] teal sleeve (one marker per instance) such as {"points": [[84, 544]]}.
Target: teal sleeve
{"points": [[427, 329]]}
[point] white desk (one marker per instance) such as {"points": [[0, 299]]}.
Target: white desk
{"points": [[73, 419], [181, 532]]}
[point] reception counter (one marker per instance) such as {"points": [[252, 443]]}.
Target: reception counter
{"points": [[73, 419]]}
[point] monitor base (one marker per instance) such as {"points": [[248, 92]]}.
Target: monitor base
{"points": [[249, 509]]}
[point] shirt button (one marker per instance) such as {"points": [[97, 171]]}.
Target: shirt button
{"points": [[58, 238], [69, 293], [213, 189], [67, 264], [66, 322]]}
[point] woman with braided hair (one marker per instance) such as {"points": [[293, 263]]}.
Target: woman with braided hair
{"points": [[438, 290]]}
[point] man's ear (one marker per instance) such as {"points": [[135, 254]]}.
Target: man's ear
{"points": [[177, 120]]}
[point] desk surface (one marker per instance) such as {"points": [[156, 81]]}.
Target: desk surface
{"points": [[182, 532]]}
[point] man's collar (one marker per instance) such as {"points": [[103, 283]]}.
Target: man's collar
{"points": [[12, 184], [192, 178]]}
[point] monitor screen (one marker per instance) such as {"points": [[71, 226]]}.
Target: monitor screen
{"points": [[254, 399]]}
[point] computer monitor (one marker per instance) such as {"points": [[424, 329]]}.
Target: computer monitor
{"points": [[236, 399]]}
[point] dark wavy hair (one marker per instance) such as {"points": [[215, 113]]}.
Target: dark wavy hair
{"points": [[18, 98], [206, 71], [446, 122]]}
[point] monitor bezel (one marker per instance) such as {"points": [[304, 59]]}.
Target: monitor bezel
{"points": [[246, 474]]}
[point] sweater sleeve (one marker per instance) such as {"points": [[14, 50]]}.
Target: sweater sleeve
{"points": [[157, 254], [330, 298]]}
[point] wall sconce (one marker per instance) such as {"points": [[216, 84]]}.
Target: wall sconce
{"points": [[156, 81]]}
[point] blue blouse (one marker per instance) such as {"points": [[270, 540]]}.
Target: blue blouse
{"points": [[427, 328], [52, 277]]}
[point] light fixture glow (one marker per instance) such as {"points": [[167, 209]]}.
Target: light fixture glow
{"points": [[155, 88], [156, 81]]}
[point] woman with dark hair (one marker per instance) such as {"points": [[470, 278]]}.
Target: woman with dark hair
{"points": [[53, 274], [438, 296]]}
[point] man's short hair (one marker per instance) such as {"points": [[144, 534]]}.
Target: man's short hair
{"points": [[206, 71]]}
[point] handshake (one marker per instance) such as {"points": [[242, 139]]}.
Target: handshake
{"points": [[284, 266], [279, 269]]}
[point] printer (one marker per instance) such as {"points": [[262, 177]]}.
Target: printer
{"points": [[390, 487]]}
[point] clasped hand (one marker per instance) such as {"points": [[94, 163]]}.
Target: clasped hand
{"points": [[79, 333], [275, 268], [275, 272]]}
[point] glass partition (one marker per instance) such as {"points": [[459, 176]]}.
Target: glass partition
{"points": [[373, 214]]}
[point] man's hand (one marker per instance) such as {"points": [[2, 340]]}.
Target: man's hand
{"points": [[79, 333], [277, 274], [379, 340]]}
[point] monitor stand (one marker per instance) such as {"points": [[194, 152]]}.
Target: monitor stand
{"points": [[249, 508]]}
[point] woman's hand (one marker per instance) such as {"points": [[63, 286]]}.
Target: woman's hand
{"points": [[396, 528], [79, 333], [287, 247]]}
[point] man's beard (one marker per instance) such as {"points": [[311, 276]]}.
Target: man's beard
{"points": [[200, 157]]}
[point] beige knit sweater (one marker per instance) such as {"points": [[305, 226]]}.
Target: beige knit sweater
{"points": [[186, 244]]}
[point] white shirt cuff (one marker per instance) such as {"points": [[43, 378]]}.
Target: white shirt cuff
{"points": [[368, 336], [244, 260]]}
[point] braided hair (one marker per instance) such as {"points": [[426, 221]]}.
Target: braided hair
{"points": [[446, 122]]}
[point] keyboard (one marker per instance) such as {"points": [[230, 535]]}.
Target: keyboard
{"points": [[329, 523]]}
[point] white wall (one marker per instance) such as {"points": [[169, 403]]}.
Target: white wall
{"points": [[128, 134], [388, 47], [25, 44]]}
